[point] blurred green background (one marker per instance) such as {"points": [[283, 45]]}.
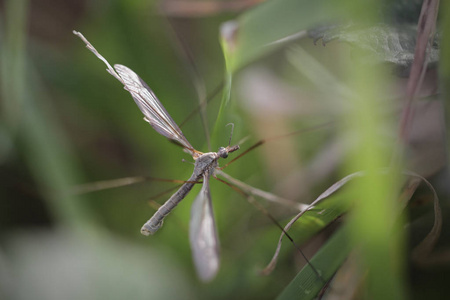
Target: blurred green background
{"points": [[66, 123]]}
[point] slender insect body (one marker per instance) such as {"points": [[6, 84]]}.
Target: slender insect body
{"points": [[204, 164], [156, 221]]}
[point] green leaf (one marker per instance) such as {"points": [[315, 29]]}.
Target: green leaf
{"points": [[262, 30], [307, 284]]}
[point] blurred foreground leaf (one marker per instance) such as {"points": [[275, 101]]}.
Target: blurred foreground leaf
{"points": [[331, 255], [262, 30], [58, 265]]}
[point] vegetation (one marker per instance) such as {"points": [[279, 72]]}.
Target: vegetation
{"points": [[344, 102]]}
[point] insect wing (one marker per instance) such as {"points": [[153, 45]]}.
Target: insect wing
{"points": [[151, 107], [203, 234]]}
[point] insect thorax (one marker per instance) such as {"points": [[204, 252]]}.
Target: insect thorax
{"points": [[206, 161]]}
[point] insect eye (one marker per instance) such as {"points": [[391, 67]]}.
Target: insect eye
{"points": [[222, 152]]}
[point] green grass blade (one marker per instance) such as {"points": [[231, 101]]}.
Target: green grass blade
{"points": [[33, 119], [306, 285], [260, 30]]}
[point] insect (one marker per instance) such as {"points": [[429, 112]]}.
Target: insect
{"points": [[202, 228]]}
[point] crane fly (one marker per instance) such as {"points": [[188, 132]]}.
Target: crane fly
{"points": [[202, 228]]}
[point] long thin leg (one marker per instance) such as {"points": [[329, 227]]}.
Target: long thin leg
{"points": [[263, 141], [260, 193], [262, 209], [118, 182], [197, 79]]}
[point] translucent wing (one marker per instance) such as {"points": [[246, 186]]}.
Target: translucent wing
{"points": [[153, 110], [151, 107], [203, 234]]}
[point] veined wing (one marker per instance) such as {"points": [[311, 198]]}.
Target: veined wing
{"points": [[153, 110], [151, 107], [203, 233]]}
